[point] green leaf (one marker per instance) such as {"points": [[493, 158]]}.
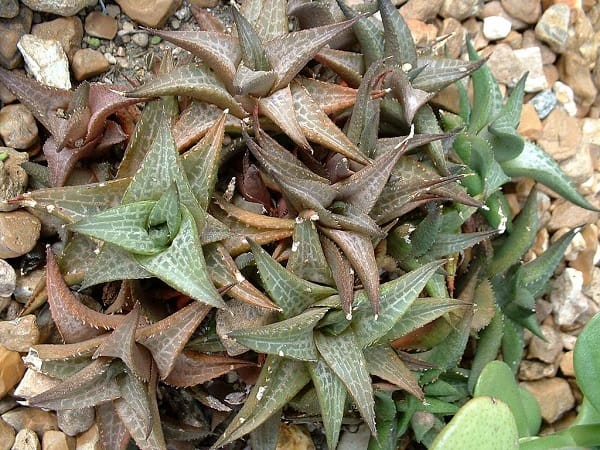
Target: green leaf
{"points": [[586, 361], [253, 54], [488, 345], [384, 362], [483, 423], [396, 297], [521, 237], [291, 293], [279, 381], [497, 381], [343, 355], [513, 343], [113, 263], [182, 264], [532, 410], [307, 259], [426, 232], [368, 35], [387, 423], [123, 226], [292, 338], [535, 163], [398, 42], [331, 394], [436, 74]]}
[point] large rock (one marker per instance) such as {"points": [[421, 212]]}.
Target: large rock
{"points": [[75, 421], [568, 301], [526, 10], [57, 440], [554, 396], [26, 439], [151, 13], [19, 334], [9, 8], [19, 232], [18, 128], [546, 350], [8, 282], [11, 370], [575, 72], [7, 435], [33, 418], [553, 27], [66, 30], [46, 60], [562, 136], [420, 10], [13, 178], [59, 7]]}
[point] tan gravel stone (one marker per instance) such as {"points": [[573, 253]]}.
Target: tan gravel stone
{"points": [[292, 437], [18, 128], [566, 364], [90, 440], [26, 439], [554, 396], [19, 232], [530, 126], [33, 418], [420, 10], [7, 435], [568, 215], [536, 370], [151, 13], [527, 11], [422, 33], [57, 440], [575, 72], [11, 370], [88, 63], [561, 136], [548, 350], [66, 30], [19, 334], [100, 25]]}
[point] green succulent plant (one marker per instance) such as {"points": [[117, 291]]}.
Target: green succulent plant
{"points": [[319, 182]]}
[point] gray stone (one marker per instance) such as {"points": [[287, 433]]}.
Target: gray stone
{"points": [[34, 383], [75, 421], [553, 27], [26, 285], [531, 61], [544, 103], [459, 9], [46, 60], [356, 439], [26, 439], [568, 303], [60, 7], [8, 280], [140, 39], [11, 31], [548, 350], [505, 65], [9, 8]]}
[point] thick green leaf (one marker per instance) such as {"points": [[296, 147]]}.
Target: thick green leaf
{"points": [[344, 357], [387, 423], [332, 399], [535, 163], [113, 263], [398, 42], [436, 74], [483, 423], [292, 338], [291, 293], [253, 54], [396, 297], [307, 259], [586, 361], [384, 362], [279, 381], [369, 36], [497, 381], [182, 264], [488, 345]]}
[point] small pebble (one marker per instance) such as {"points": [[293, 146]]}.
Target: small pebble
{"points": [[140, 39], [110, 58], [175, 24], [566, 97], [18, 128], [496, 27], [100, 25], [8, 279], [26, 439], [544, 103]]}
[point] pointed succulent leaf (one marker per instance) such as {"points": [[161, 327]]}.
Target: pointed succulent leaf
{"points": [[537, 164], [535, 274], [291, 338], [250, 219], [317, 127], [343, 274], [124, 226], [43, 101], [192, 368], [220, 51], [223, 272], [348, 65], [436, 74], [267, 434], [399, 42], [137, 426], [396, 297], [75, 321], [113, 433], [135, 394], [182, 264], [291, 293], [449, 243], [368, 34], [113, 263], [332, 399], [196, 81], [421, 312], [272, 21], [332, 98], [307, 259], [426, 122], [359, 251], [165, 339], [90, 386], [343, 355], [426, 232], [351, 218], [279, 107], [60, 369], [146, 130], [384, 362], [166, 211], [121, 344], [411, 98], [256, 83], [279, 381], [519, 240], [486, 93], [364, 187], [289, 53], [253, 54]]}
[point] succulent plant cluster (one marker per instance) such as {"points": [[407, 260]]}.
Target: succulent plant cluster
{"points": [[291, 198]]}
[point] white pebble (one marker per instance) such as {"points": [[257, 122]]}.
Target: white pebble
{"points": [[496, 27]]}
